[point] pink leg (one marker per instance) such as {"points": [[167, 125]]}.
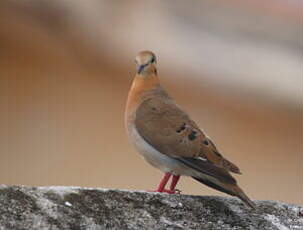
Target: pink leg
{"points": [[174, 182], [161, 186]]}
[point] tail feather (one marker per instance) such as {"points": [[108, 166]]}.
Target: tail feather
{"points": [[231, 166], [231, 189], [240, 194], [213, 185]]}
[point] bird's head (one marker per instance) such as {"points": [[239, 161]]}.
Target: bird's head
{"points": [[146, 63]]}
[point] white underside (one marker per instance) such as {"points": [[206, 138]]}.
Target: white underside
{"points": [[158, 159]]}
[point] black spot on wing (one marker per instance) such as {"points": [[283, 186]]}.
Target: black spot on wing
{"points": [[182, 127], [192, 136], [218, 154], [206, 142]]}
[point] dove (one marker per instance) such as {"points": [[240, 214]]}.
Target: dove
{"points": [[168, 139]]}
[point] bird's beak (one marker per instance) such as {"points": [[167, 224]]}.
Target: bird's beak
{"points": [[140, 68]]}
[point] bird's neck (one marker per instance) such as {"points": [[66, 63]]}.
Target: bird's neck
{"points": [[143, 83], [143, 87], [141, 90]]}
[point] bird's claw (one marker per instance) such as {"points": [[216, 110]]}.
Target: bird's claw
{"points": [[174, 191], [168, 191], [178, 191]]}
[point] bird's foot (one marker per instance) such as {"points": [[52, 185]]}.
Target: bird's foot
{"points": [[174, 191], [168, 191]]}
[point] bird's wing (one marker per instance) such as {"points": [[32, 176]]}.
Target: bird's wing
{"points": [[170, 130]]}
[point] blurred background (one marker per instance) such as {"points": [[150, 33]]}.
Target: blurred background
{"points": [[66, 67]]}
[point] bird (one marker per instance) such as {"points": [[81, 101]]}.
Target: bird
{"points": [[168, 139]]}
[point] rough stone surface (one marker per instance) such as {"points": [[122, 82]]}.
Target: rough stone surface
{"points": [[85, 208]]}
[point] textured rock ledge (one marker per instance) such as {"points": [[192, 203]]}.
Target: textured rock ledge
{"points": [[84, 208]]}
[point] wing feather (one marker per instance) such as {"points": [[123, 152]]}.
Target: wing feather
{"points": [[170, 130]]}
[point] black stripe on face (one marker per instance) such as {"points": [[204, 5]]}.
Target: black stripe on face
{"points": [[141, 68]]}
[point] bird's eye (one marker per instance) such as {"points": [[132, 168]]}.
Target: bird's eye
{"points": [[153, 59]]}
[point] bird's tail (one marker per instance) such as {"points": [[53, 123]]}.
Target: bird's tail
{"points": [[231, 189], [238, 192], [230, 166]]}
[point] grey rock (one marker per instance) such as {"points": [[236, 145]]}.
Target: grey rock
{"points": [[86, 208]]}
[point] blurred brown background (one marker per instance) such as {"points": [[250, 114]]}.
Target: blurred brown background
{"points": [[66, 67]]}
